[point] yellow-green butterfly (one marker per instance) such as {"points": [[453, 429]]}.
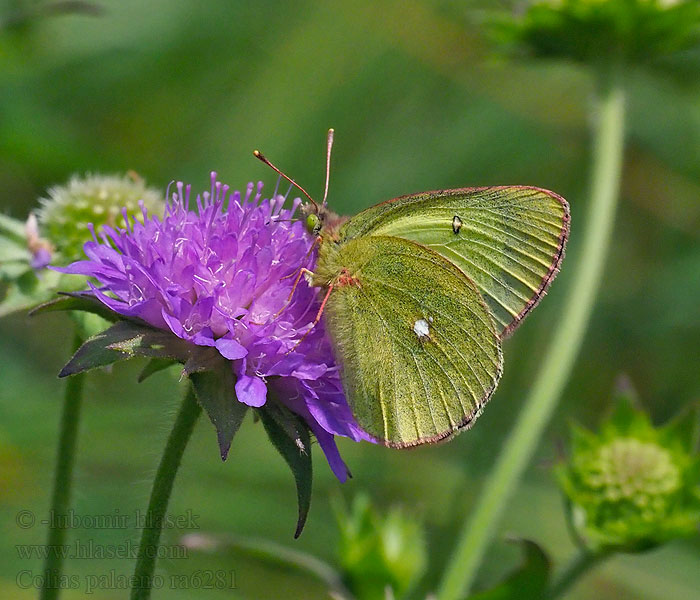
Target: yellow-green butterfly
{"points": [[421, 290]]}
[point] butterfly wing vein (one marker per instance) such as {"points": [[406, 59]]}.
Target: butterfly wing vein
{"points": [[406, 386], [510, 242]]}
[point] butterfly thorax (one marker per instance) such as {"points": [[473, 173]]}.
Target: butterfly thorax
{"points": [[326, 227]]}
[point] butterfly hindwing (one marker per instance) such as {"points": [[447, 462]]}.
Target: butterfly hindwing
{"points": [[508, 240], [419, 349]]}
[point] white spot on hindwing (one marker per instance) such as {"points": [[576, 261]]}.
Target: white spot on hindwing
{"points": [[422, 329]]}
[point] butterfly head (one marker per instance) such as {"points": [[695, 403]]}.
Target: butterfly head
{"points": [[321, 222], [313, 224], [318, 217]]}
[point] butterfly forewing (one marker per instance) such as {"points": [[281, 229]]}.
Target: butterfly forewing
{"points": [[508, 240], [419, 349]]}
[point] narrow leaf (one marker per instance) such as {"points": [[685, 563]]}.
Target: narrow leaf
{"points": [[527, 582], [96, 352], [153, 366], [124, 340], [215, 392], [205, 358], [77, 301], [290, 436]]}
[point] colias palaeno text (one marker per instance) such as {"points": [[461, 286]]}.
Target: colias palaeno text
{"points": [[421, 290]]}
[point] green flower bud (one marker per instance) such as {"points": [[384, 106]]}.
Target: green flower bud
{"points": [[604, 31], [96, 199], [633, 486], [380, 553], [57, 236]]}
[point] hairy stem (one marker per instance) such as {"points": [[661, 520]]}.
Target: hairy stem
{"points": [[581, 563], [160, 495], [559, 360], [62, 485]]}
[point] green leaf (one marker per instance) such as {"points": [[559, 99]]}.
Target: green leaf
{"points": [[205, 359], [154, 366], [581, 438], [215, 389], [97, 351], [290, 435], [683, 431], [122, 341], [77, 301], [626, 418], [527, 582]]}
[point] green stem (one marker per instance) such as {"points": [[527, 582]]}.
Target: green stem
{"points": [[559, 360], [160, 495], [581, 563], [285, 556], [63, 478]]}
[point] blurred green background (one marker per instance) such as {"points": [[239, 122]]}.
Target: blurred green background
{"points": [[173, 90]]}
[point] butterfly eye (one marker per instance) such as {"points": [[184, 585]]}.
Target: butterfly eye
{"points": [[313, 223]]}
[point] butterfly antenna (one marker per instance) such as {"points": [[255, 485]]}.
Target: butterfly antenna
{"points": [[328, 165], [257, 154]]}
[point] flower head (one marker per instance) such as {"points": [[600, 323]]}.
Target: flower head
{"points": [[633, 486], [97, 199], [604, 31], [220, 271]]}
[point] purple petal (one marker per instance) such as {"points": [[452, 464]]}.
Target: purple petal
{"points": [[251, 391], [204, 338], [328, 407], [310, 370], [232, 350], [336, 463]]}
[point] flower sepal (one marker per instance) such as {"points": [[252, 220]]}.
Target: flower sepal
{"points": [[290, 435], [76, 301], [125, 340], [214, 385]]}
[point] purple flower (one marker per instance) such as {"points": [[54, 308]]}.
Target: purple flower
{"points": [[219, 274]]}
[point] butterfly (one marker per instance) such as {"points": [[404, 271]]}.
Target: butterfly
{"points": [[419, 293]]}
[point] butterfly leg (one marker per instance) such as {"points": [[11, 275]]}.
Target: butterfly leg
{"points": [[315, 321], [316, 242], [302, 271]]}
